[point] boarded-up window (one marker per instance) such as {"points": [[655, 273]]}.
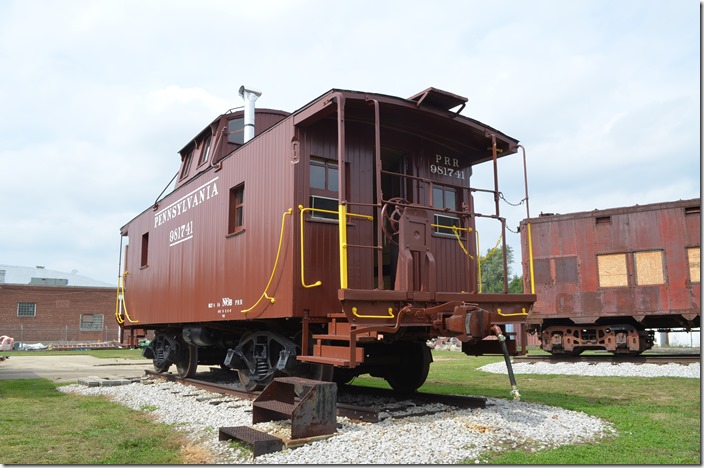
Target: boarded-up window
{"points": [[612, 270], [566, 270], [649, 268], [541, 269], [693, 255]]}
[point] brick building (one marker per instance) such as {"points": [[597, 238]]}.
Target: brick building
{"points": [[51, 307]]}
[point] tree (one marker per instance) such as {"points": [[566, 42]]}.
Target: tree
{"points": [[492, 269]]}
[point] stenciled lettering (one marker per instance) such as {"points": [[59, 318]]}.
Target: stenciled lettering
{"points": [[200, 195]]}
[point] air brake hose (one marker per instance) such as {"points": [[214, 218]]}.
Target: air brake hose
{"points": [[502, 341]]}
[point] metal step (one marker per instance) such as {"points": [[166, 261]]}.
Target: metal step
{"points": [[285, 410], [314, 414], [325, 360], [360, 339], [261, 442]]}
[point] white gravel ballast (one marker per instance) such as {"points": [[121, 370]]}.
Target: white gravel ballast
{"points": [[604, 369], [450, 436]]}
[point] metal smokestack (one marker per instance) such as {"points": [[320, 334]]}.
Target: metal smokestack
{"points": [[249, 96]]}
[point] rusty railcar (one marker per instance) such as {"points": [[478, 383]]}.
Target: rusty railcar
{"points": [[607, 279], [338, 237]]}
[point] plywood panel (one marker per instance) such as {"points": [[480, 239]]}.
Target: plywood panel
{"points": [[693, 255], [612, 270], [649, 268]]}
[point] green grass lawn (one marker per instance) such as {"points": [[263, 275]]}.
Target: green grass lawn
{"points": [[657, 419]]}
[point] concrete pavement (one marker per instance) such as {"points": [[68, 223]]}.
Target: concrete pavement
{"points": [[62, 369]]}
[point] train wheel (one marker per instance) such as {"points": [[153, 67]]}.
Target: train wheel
{"points": [[163, 348], [249, 384], [412, 369], [187, 362]]}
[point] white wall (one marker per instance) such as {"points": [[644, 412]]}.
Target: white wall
{"points": [[691, 339]]}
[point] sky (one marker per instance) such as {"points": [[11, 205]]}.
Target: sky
{"points": [[98, 96]]}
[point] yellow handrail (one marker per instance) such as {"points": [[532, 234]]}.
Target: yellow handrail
{"points": [[343, 257], [276, 263], [530, 259], [389, 310], [303, 275], [523, 312], [455, 230], [121, 292]]}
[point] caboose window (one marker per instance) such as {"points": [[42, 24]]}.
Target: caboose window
{"points": [[236, 217], [322, 203], [145, 249], [323, 188], [205, 153], [186, 165], [443, 224], [323, 175], [235, 131], [445, 198]]}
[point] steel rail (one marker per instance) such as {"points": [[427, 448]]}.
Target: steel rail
{"points": [[356, 413]]}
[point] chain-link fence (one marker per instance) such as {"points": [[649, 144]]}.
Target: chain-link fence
{"points": [[59, 335]]}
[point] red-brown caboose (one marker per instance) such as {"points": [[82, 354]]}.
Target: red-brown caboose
{"points": [[339, 236], [606, 279]]}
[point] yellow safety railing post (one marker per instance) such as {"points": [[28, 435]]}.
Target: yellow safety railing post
{"points": [[530, 260], [121, 301], [342, 223]]}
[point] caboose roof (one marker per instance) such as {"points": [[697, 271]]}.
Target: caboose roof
{"points": [[692, 205], [427, 114]]}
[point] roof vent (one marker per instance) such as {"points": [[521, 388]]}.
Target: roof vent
{"points": [[34, 281], [440, 99]]}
